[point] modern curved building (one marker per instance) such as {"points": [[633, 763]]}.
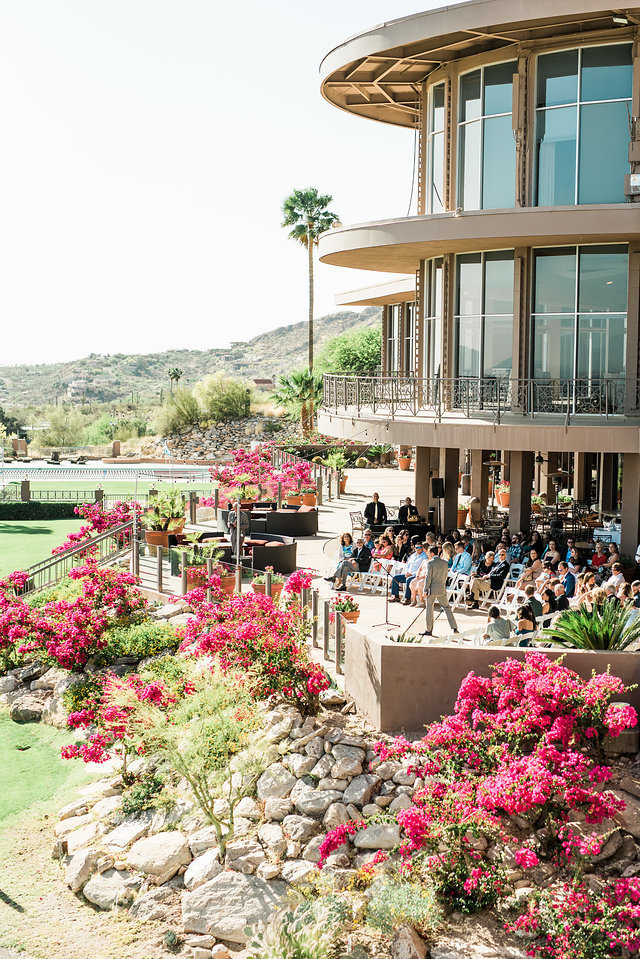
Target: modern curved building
{"points": [[514, 322]]}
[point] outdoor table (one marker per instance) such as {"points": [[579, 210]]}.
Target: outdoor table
{"points": [[610, 535]]}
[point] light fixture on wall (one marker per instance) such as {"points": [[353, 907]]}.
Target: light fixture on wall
{"points": [[621, 21]]}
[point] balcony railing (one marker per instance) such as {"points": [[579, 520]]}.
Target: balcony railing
{"points": [[479, 397]]}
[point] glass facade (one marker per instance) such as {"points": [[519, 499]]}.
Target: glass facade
{"points": [[432, 328], [486, 145], [393, 337], [435, 150], [409, 356], [583, 102], [579, 312], [484, 314]]}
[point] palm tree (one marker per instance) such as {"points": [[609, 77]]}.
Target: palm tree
{"points": [[297, 393], [174, 374], [306, 212], [610, 627]]}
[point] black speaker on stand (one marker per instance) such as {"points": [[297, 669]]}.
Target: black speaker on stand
{"points": [[437, 492]]}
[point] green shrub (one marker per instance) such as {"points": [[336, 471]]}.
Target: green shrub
{"points": [[147, 638], [36, 510], [66, 589], [311, 932], [142, 794], [223, 398], [610, 627], [181, 410], [82, 694], [396, 903]]}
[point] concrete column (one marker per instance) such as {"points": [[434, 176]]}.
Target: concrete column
{"points": [[630, 504], [547, 485], [520, 493], [608, 488], [25, 491], [449, 472], [581, 464], [480, 476], [422, 477], [506, 469]]}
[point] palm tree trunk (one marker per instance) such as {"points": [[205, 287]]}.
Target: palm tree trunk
{"points": [[310, 248], [304, 419]]}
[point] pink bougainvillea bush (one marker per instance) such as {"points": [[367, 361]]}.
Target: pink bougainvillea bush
{"points": [[518, 770], [99, 521], [255, 468], [67, 631]]}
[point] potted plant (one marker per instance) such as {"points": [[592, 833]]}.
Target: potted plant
{"points": [[537, 503], [503, 489], [336, 460], [258, 583], [309, 494], [404, 458], [165, 517], [385, 456], [347, 607], [246, 493], [463, 513], [196, 555]]}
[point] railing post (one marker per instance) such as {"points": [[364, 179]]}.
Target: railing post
{"points": [[159, 568], [319, 490], [209, 575], [216, 500], [337, 484], [358, 393], [338, 650], [279, 494], [314, 618], [329, 484], [193, 503], [135, 556], [326, 628], [267, 582], [183, 573]]}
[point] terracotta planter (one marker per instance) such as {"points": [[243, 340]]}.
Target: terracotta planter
{"points": [[276, 589], [503, 500], [536, 508], [343, 484], [195, 575], [153, 537], [404, 462], [462, 518], [309, 499], [293, 500], [227, 584], [352, 616]]}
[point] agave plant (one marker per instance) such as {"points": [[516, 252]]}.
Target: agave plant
{"points": [[609, 627]]}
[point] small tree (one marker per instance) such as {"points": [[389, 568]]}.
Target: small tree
{"points": [[174, 375], [297, 393], [181, 411], [357, 351], [223, 398]]}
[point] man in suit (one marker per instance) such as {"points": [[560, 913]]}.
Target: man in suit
{"points": [[567, 579], [408, 513], [435, 588], [359, 563], [375, 512]]}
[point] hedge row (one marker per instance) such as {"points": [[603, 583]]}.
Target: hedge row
{"points": [[37, 510]]}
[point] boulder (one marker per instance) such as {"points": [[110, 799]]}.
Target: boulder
{"points": [[300, 828], [354, 753], [245, 855], [50, 679], [79, 869], [65, 826], [27, 708], [315, 747], [108, 889], [313, 802], [323, 767], [361, 789], [407, 944], [82, 837], [106, 807], [271, 836], [299, 765], [160, 855], [203, 839], [311, 852], [277, 809], [54, 713], [332, 697], [7, 684], [225, 905], [129, 830], [346, 768], [202, 869], [76, 808], [248, 808], [298, 873], [276, 782], [151, 905], [336, 815], [378, 836]]}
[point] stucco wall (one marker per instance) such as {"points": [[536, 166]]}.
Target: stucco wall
{"points": [[404, 686]]}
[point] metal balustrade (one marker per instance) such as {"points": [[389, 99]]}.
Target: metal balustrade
{"points": [[481, 397]]}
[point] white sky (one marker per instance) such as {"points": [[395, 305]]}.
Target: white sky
{"points": [[147, 146]]}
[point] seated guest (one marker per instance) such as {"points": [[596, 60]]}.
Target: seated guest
{"points": [[567, 579], [408, 513], [344, 551], [599, 598], [614, 556], [625, 594], [384, 550], [413, 564], [497, 628], [546, 575], [532, 601], [416, 587], [562, 601], [635, 593], [369, 539], [489, 576], [375, 512], [389, 532], [599, 558], [531, 571], [461, 560], [551, 554], [535, 541], [358, 562], [611, 593], [548, 601], [447, 553], [617, 576], [515, 551], [525, 623], [576, 561]]}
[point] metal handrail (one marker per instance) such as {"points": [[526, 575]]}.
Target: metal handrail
{"points": [[109, 545], [489, 396]]}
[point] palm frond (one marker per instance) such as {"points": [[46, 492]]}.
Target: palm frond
{"points": [[611, 627]]}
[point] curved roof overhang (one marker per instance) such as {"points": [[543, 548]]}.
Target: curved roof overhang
{"points": [[397, 246], [402, 290], [378, 74]]}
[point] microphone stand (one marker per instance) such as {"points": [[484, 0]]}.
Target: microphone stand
{"points": [[386, 603]]}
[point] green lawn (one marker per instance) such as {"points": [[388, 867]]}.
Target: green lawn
{"points": [[32, 768], [25, 542]]}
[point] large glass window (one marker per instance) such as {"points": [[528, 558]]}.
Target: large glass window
{"points": [[579, 312], [582, 125], [409, 361], [435, 150], [393, 337], [484, 313], [487, 151], [432, 336]]}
